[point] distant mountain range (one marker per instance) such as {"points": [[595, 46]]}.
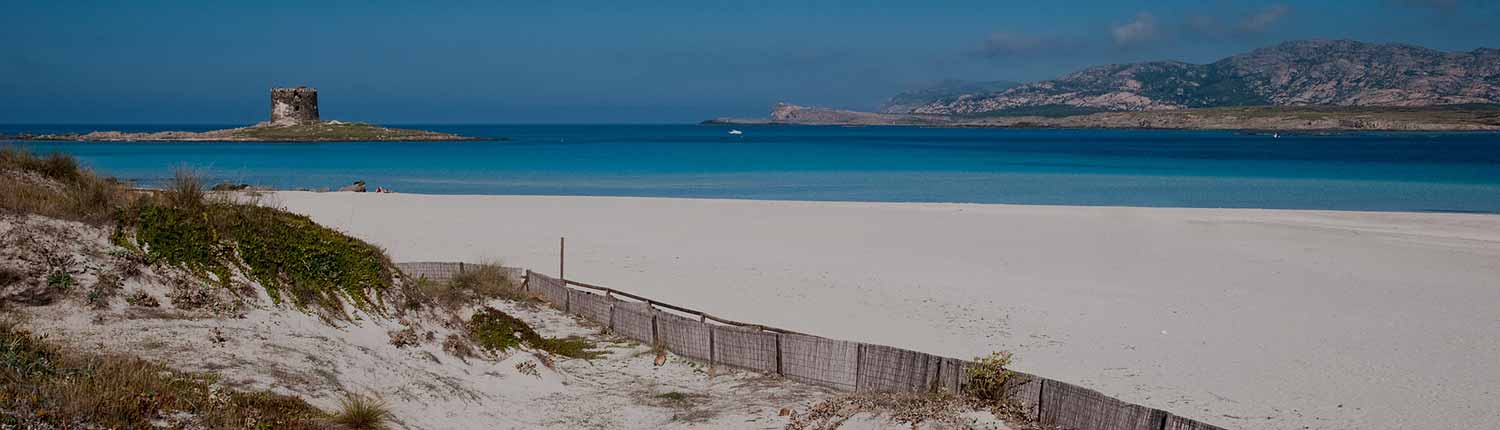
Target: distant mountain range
{"points": [[1299, 73], [943, 92]]}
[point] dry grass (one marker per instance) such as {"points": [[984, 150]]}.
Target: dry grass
{"points": [[50, 387], [56, 186], [905, 409], [478, 283], [360, 412], [185, 190]]}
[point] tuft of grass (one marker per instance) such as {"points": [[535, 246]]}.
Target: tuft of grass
{"points": [[185, 190], [67, 389], [498, 331], [988, 376], [359, 412]]}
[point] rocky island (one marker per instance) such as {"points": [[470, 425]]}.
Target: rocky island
{"points": [[1299, 85], [294, 118]]}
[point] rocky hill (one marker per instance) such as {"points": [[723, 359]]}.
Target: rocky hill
{"points": [[1299, 73], [942, 92]]}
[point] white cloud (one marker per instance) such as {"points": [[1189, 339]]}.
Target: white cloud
{"points": [[1141, 30], [1263, 20]]}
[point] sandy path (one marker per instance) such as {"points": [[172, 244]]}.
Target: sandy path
{"points": [[1244, 318]]}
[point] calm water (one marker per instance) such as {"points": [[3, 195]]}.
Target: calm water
{"points": [[1368, 171]]}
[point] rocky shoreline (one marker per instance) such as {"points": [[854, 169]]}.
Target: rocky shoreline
{"points": [[329, 131], [1272, 118]]}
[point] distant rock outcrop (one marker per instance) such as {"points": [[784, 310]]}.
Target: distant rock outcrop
{"points": [[1300, 73]]}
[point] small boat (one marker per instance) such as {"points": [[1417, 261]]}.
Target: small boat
{"points": [[736, 132]]}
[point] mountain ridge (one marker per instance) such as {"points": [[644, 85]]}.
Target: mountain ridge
{"points": [[1317, 72]]}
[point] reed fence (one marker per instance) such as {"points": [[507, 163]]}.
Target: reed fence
{"points": [[838, 364]]}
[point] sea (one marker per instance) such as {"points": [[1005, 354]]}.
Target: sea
{"points": [[1377, 171]]}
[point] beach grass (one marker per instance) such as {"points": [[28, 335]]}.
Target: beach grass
{"points": [[46, 386], [361, 412], [56, 186]]}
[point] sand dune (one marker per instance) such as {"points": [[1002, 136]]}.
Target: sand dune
{"points": [[1244, 318]]}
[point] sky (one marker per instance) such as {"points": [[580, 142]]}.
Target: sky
{"points": [[213, 62]]}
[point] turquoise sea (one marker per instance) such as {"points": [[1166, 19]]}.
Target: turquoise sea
{"points": [[1352, 171]]}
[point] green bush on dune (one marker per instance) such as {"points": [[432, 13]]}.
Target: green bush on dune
{"points": [[498, 331], [293, 258]]}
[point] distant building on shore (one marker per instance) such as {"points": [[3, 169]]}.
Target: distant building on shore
{"points": [[293, 106]]}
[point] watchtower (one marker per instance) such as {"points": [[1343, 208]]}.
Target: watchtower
{"points": [[293, 106]]}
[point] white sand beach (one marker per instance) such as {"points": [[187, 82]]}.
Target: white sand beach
{"points": [[1250, 319]]}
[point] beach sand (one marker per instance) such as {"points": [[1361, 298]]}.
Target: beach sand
{"points": [[1253, 319]]}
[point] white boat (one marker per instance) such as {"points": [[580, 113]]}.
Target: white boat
{"points": [[736, 132]]}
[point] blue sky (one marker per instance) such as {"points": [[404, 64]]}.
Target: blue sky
{"points": [[669, 61]]}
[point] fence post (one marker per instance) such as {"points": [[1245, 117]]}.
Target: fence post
{"points": [[460, 267], [611, 322], [778, 355], [859, 364], [1041, 396], [653, 323]]}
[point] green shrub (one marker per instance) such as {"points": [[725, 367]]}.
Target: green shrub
{"points": [[988, 376], [60, 280], [498, 331], [292, 257], [22, 355]]}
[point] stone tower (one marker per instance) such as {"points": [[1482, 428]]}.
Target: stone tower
{"points": [[293, 106]]}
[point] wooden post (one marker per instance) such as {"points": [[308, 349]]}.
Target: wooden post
{"points": [[859, 359], [778, 355], [562, 252]]}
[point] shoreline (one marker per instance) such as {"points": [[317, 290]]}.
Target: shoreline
{"points": [[315, 132], [859, 203], [1247, 118], [1210, 313]]}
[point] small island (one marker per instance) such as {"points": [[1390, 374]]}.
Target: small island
{"points": [[294, 118]]}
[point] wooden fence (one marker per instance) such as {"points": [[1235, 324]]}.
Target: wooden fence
{"points": [[839, 364]]}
